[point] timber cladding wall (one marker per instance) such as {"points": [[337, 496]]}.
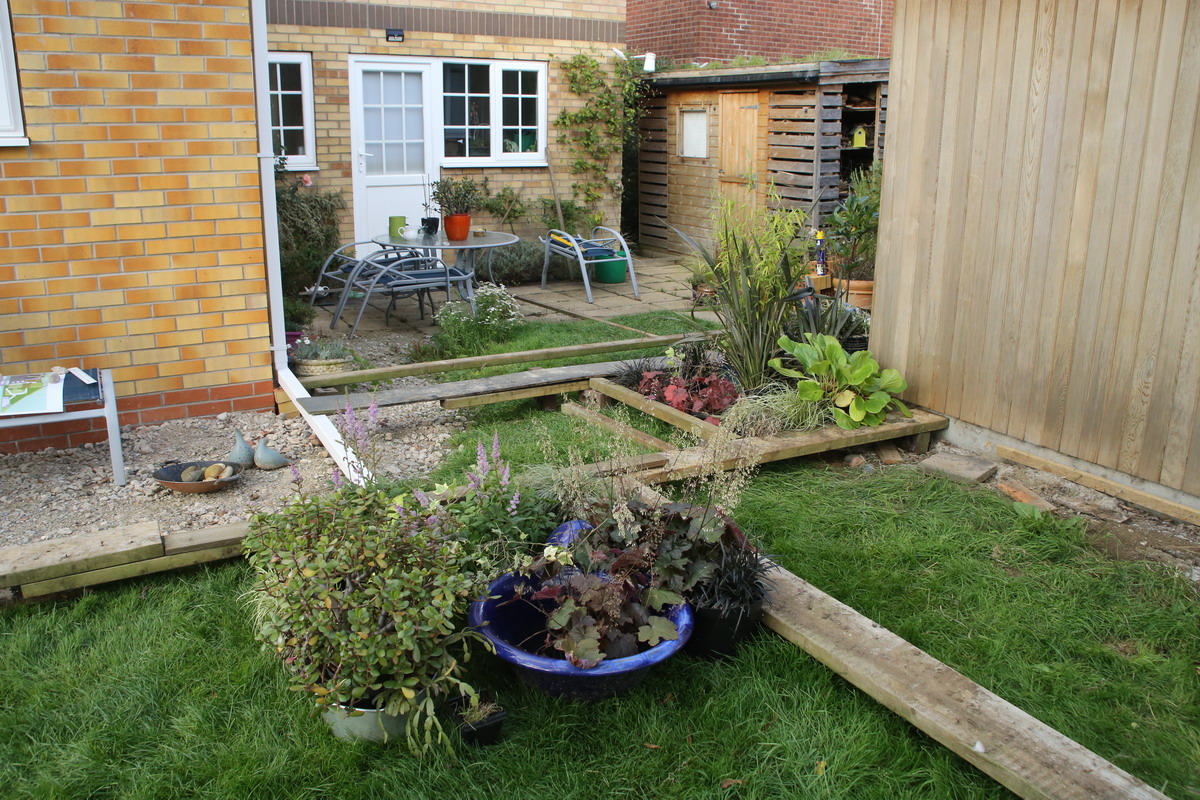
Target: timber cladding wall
{"points": [[1039, 267], [131, 236]]}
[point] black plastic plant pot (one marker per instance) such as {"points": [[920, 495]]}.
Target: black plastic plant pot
{"points": [[429, 225], [482, 733], [717, 635]]}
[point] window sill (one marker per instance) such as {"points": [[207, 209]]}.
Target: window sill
{"points": [[14, 141], [302, 167], [465, 163]]}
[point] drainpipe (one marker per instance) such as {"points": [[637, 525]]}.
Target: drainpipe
{"points": [[322, 426]]}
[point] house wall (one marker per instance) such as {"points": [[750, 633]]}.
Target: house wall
{"points": [[518, 30], [131, 234], [1039, 269], [778, 30]]}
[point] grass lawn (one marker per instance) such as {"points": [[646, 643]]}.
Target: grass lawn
{"points": [[154, 688]]}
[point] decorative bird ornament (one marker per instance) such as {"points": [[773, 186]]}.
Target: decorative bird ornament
{"points": [[266, 458], [242, 453]]}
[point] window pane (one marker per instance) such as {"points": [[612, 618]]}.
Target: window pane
{"points": [[372, 124], [512, 112], [273, 77], [478, 78], [480, 110], [393, 123], [455, 142], [293, 142], [508, 81], [481, 144], [529, 111], [412, 88], [511, 140], [454, 78], [529, 141], [289, 77], [374, 158], [371, 91], [414, 158], [693, 134], [455, 109], [414, 124], [393, 158], [275, 123], [393, 89], [292, 108], [529, 82]]}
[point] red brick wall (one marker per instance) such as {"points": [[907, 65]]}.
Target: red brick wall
{"points": [[778, 30], [142, 409]]}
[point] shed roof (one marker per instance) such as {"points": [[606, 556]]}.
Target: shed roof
{"points": [[809, 72]]}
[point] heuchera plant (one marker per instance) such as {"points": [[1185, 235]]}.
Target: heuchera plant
{"points": [[699, 396]]}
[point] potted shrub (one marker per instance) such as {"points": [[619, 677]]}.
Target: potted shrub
{"points": [[297, 315], [854, 234], [340, 578], [481, 722], [318, 356], [728, 604], [457, 197]]}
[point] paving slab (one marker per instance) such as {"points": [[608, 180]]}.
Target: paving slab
{"points": [[964, 469]]}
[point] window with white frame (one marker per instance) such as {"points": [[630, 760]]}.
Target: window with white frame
{"points": [[290, 92], [494, 112], [12, 126], [693, 133]]}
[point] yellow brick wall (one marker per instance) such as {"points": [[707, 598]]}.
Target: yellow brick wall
{"points": [[331, 46], [131, 227]]}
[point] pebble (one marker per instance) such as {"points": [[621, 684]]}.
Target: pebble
{"points": [[856, 461]]}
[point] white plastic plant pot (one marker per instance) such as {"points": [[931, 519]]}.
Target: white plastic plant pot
{"points": [[372, 725]]}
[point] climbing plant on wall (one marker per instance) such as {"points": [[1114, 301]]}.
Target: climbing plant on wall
{"points": [[596, 132]]}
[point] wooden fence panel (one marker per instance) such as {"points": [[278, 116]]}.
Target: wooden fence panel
{"points": [[1039, 270]]}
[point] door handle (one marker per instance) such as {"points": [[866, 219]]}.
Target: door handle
{"points": [[362, 160]]}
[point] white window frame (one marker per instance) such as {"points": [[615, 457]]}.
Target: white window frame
{"points": [[684, 114], [495, 89], [308, 161], [12, 123]]}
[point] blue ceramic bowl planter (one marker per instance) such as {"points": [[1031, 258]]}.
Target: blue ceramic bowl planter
{"points": [[508, 626]]}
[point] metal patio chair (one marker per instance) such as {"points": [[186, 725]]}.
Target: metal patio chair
{"points": [[603, 245]]}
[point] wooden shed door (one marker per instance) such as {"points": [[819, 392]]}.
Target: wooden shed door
{"points": [[739, 139]]}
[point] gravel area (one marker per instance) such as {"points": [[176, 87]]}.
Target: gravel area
{"points": [[58, 493]]}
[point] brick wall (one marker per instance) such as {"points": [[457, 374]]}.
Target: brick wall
{"points": [[779, 30], [330, 46], [131, 233]]}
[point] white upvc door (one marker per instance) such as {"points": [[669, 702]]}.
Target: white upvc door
{"points": [[392, 111]]}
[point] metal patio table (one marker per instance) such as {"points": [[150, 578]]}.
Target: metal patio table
{"points": [[465, 248]]}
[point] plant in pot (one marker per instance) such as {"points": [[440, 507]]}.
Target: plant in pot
{"points": [[457, 197], [854, 235], [834, 316], [479, 723], [318, 356], [297, 315], [340, 581], [728, 603]]}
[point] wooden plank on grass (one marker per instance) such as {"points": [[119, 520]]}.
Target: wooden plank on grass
{"points": [[39, 561], [793, 444], [1135, 496], [619, 466], [1022, 753], [888, 453], [478, 362], [515, 394], [205, 538], [331, 404], [662, 411], [131, 570], [577, 315], [627, 432]]}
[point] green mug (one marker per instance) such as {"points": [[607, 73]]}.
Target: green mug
{"points": [[396, 225]]}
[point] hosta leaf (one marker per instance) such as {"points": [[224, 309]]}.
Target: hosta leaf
{"points": [[902, 408], [892, 382], [858, 409], [844, 398], [659, 629], [843, 421], [877, 401], [777, 365]]}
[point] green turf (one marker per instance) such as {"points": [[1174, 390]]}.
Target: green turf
{"points": [[154, 688]]}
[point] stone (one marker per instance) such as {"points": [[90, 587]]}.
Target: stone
{"points": [[961, 468]]}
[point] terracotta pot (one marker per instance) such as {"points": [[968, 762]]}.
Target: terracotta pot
{"points": [[861, 294], [458, 227]]}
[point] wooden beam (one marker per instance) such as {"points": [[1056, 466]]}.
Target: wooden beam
{"points": [[131, 570], [662, 411], [1022, 753], [615, 466], [761, 450], [577, 315], [205, 538], [477, 362], [1127, 493], [54, 558], [515, 394], [627, 432], [332, 403]]}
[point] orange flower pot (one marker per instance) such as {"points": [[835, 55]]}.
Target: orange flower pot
{"points": [[458, 226]]}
